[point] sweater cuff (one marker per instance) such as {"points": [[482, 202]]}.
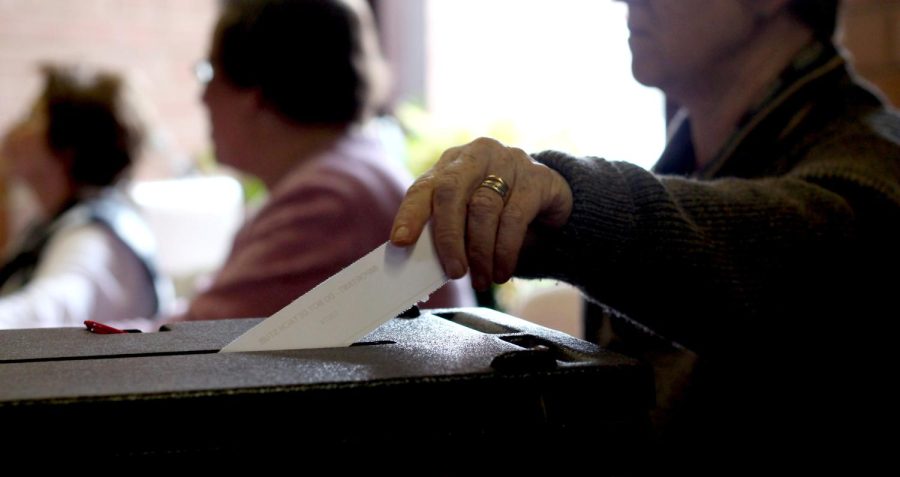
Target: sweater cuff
{"points": [[598, 228]]}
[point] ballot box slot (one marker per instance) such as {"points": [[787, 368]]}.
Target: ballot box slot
{"points": [[116, 356], [374, 343], [476, 323], [143, 355]]}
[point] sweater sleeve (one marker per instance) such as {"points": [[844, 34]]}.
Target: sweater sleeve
{"points": [[701, 262]]}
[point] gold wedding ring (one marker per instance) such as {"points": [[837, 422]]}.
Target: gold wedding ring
{"points": [[496, 184]]}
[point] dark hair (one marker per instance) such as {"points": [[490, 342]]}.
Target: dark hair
{"points": [[820, 15], [313, 61], [89, 124]]}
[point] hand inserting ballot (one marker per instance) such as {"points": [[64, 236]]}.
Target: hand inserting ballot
{"points": [[481, 199]]}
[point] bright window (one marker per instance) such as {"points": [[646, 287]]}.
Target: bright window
{"points": [[540, 74]]}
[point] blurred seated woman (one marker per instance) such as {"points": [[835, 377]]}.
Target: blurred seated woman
{"points": [[88, 256], [289, 85]]}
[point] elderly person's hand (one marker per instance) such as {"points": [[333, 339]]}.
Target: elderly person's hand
{"points": [[481, 199]]}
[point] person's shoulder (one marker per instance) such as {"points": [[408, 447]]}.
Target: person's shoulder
{"points": [[88, 243], [857, 108], [845, 116], [358, 169], [855, 144], [866, 127], [362, 154]]}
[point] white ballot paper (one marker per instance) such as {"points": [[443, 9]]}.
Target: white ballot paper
{"points": [[386, 282]]}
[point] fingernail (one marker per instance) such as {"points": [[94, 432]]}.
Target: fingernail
{"points": [[401, 234], [454, 268]]}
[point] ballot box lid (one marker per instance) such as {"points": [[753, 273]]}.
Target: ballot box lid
{"points": [[451, 375]]}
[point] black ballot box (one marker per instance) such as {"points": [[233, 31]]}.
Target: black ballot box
{"points": [[449, 388]]}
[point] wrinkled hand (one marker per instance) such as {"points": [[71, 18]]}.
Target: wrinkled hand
{"points": [[472, 227]]}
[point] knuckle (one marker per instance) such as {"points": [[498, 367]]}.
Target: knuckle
{"points": [[479, 253], [446, 188], [513, 214], [421, 185], [467, 157], [446, 239], [470, 159], [448, 155], [485, 142], [519, 154], [481, 205]]}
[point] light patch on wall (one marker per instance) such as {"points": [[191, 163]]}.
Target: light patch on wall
{"points": [[544, 74]]}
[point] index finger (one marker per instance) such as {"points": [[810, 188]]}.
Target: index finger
{"points": [[414, 212]]}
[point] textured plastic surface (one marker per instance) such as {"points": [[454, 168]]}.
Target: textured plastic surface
{"points": [[444, 378]]}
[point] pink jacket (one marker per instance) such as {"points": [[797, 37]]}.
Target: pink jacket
{"points": [[325, 214]]}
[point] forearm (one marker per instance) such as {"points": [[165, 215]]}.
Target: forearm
{"points": [[717, 255]]}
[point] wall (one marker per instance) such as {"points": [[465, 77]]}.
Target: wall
{"points": [[871, 34], [156, 42]]}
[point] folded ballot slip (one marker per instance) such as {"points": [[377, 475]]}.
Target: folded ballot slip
{"points": [[339, 311]]}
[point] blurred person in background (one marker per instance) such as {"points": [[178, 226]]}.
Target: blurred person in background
{"points": [[87, 255], [289, 87]]}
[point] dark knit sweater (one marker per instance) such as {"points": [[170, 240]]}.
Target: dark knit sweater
{"points": [[773, 265]]}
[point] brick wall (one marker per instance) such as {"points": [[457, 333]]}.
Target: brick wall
{"points": [[871, 33], [155, 42]]}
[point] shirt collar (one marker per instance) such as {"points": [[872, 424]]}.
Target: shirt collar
{"points": [[811, 63]]}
